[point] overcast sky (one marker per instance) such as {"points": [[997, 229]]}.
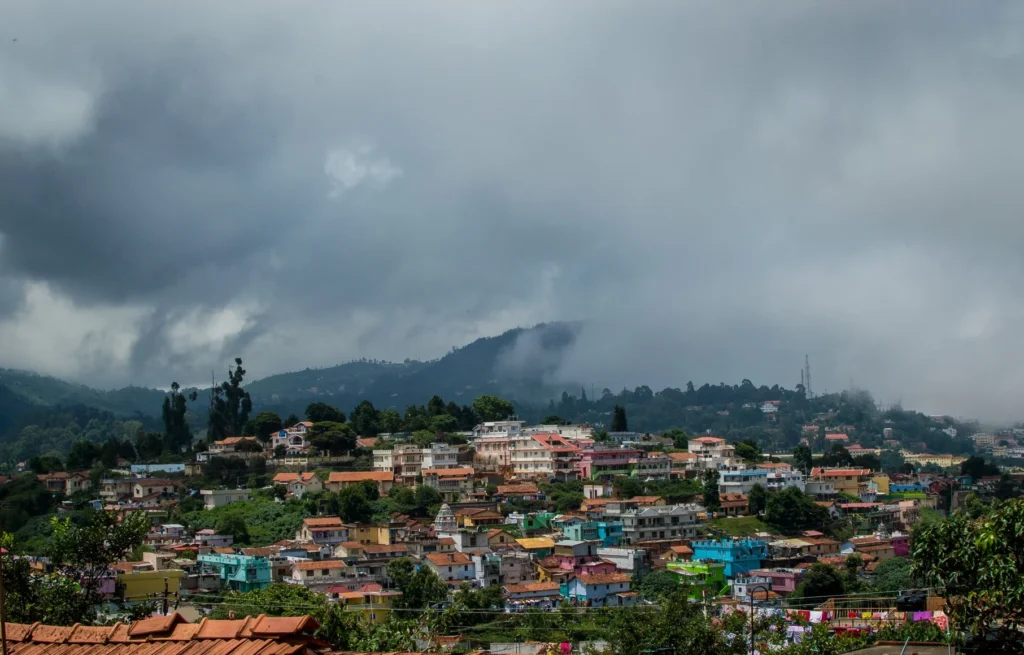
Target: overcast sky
{"points": [[719, 187]]}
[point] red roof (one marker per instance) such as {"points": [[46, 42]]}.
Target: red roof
{"points": [[604, 578], [359, 476], [448, 559], [168, 635], [323, 522], [529, 587]]}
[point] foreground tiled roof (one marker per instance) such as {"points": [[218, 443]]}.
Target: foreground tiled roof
{"points": [[168, 635]]}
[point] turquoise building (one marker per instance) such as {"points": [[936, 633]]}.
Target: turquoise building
{"points": [[608, 532], [740, 556], [238, 572]]}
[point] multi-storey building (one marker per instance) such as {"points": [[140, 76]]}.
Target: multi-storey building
{"points": [[452, 483], [544, 456], [852, 481], [407, 461], [741, 482], [606, 463], [295, 439], [666, 522], [711, 452], [299, 484], [740, 556], [453, 568], [238, 572], [322, 530]]}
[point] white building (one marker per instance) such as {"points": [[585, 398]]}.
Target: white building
{"points": [[742, 481], [544, 456], [295, 438], [770, 407], [571, 432], [214, 498], [407, 461], [779, 479], [656, 523], [498, 428], [712, 452], [452, 567]]}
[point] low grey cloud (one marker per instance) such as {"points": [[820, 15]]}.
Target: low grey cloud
{"points": [[715, 189]]}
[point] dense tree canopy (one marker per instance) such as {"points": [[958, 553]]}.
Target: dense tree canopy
{"points": [[791, 510], [977, 566], [231, 405]]}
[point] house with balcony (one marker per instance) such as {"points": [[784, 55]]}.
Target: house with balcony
{"points": [[607, 590], [338, 480], [851, 481], [238, 572], [214, 498], [66, 483], [760, 587], [532, 595], [148, 487], [451, 483], [299, 484], [655, 523], [741, 482], [320, 575], [605, 464], [295, 439], [711, 452], [454, 568], [370, 602], [780, 478], [208, 538], [740, 556], [608, 532], [322, 530], [116, 489], [544, 456], [683, 465]]}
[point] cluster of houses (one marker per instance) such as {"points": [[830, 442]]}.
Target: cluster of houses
{"points": [[590, 556]]}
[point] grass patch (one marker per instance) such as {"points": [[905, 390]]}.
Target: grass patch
{"points": [[739, 526]]}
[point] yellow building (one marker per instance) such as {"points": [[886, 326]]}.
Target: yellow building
{"points": [[942, 461], [883, 483], [849, 481], [369, 534], [141, 581], [373, 607]]}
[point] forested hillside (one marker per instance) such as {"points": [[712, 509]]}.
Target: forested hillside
{"points": [[43, 415]]}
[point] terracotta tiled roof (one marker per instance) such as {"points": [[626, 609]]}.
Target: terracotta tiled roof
{"points": [[285, 478], [449, 559], [359, 476], [375, 549], [169, 635], [323, 522], [532, 587], [518, 489], [320, 566]]}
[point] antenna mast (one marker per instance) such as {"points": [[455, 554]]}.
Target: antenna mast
{"points": [[807, 376]]}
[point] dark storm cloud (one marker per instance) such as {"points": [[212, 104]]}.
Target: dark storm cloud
{"points": [[717, 188]]}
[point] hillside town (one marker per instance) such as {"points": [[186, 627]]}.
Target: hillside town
{"points": [[543, 518]]}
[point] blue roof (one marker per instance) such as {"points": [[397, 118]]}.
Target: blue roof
{"points": [[753, 472]]}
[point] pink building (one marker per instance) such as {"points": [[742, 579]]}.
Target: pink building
{"points": [[900, 545], [608, 462], [784, 581]]}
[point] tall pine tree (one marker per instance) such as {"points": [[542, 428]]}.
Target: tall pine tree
{"points": [[231, 405], [176, 431], [619, 423]]}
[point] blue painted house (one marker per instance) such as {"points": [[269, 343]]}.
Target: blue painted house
{"points": [[238, 572], [603, 590], [740, 556]]}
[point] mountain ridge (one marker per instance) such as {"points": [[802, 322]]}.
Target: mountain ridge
{"points": [[485, 365]]}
